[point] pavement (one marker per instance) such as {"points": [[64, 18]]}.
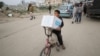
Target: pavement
{"points": [[5, 19], [26, 38]]}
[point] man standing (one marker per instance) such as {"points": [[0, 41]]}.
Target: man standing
{"points": [[50, 8], [75, 13], [79, 12], [85, 9]]}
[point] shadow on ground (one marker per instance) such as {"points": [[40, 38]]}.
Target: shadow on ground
{"points": [[94, 19]]}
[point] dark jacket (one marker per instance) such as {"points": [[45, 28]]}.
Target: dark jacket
{"points": [[62, 24], [50, 7]]}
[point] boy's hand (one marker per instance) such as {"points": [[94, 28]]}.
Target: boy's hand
{"points": [[59, 28]]}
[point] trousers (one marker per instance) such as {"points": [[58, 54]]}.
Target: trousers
{"points": [[59, 36], [78, 17]]}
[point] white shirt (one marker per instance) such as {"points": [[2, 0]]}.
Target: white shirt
{"points": [[79, 9], [75, 10]]}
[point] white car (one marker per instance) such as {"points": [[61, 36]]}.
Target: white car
{"points": [[66, 10]]}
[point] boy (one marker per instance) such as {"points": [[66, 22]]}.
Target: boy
{"points": [[58, 30]]}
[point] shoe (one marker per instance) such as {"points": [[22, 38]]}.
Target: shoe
{"points": [[34, 17], [57, 48], [31, 18], [72, 22], [63, 47]]}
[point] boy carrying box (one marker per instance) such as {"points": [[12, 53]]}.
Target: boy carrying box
{"points": [[57, 31], [56, 23]]}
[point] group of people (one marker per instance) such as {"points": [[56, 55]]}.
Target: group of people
{"points": [[77, 13]]}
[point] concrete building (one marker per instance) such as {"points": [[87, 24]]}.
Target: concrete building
{"points": [[53, 2], [76, 1]]}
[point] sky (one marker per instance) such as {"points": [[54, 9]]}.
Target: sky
{"points": [[15, 2]]}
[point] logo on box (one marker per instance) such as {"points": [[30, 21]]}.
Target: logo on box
{"points": [[57, 23]]}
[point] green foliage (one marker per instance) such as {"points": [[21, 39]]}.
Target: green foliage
{"points": [[1, 4]]}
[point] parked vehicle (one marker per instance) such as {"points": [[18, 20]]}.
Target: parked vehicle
{"points": [[66, 10], [93, 8]]}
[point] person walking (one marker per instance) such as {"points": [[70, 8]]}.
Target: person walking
{"points": [[50, 8], [79, 13], [31, 10], [74, 13], [84, 9]]}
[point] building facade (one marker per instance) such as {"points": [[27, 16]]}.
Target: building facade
{"points": [[53, 2]]}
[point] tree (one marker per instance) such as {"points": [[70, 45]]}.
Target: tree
{"points": [[1, 4], [7, 8]]}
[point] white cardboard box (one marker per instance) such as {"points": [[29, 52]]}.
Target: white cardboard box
{"points": [[51, 21]]}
